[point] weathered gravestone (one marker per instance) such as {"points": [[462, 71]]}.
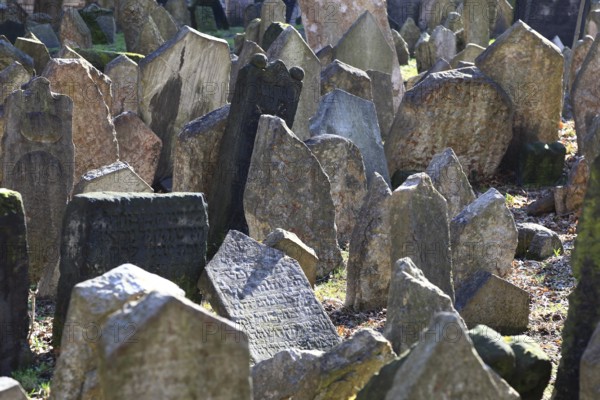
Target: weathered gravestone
{"points": [[292, 246], [476, 16], [266, 294], [36, 50], [288, 189], [536, 242], [11, 79], [469, 54], [123, 73], [589, 388], [14, 319], [73, 30], [101, 22], [578, 56], [10, 54], [569, 198], [38, 162], [354, 118], [584, 94], [261, 89], [184, 79], [271, 11], [369, 267], [339, 75], [164, 234], [249, 49], [383, 98], [290, 48], [46, 34], [411, 33], [400, 10], [179, 11], [434, 12], [116, 177], [550, 18], [427, 122]]}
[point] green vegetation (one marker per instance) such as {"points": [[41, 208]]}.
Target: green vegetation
{"points": [[410, 70], [35, 380]]}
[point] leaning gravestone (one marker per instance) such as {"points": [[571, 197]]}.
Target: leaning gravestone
{"points": [[36, 50], [292, 246], [354, 118], [10, 54], [14, 263], [184, 79], [475, 18], [411, 33], [267, 295], [288, 189], [383, 98], [11, 79], [38, 162], [123, 73], [164, 234], [584, 94], [73, 31], [271, 11], [116, 177], [580, 52], [339, 75], [249, 49], [261, 88]]}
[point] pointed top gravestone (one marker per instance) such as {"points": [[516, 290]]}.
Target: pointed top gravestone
{"points": [[123, 72]]}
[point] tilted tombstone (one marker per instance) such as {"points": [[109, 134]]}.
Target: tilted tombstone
{"points": [[163, 234], [475, 18], [184, 79], [383, 98], [261, 89], [292, 246], [584, 93], [73, 31], [116, 177], [38, 162], [9, 54], [284, 171], [271, 11], [36, 50], [578, 56], [339, 75], [249, 49], [411, 33], [11, 79], [14, 263], [123, 73], [266, 294]]}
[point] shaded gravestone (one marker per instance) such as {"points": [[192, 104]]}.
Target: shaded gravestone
{"points": [[418, 217], [584, 93], [146, 25], [434, 12], [590, 368], [381, 85], [272, 33], [536, 242], [475, 18], [550, 18], [249, 49], [179, 11], [123, 72], [46, 34], [38, 162], [411, 33], [428, 121], [101, 22], [342, 162], [292, 246], [36, 50], [92, 302], [424, 53], [10, 54], [11, 79], [400, 10], [569, 198], [266, 294], [138, 145], [261, 88], [205, 19], [484, 237], [174, 338], [14, 291], [454, 22], [290, 48], [354, 118], [185, 79], [253, 30], [164, 234], [73, 31], [271, 11], [339, 75], [284, 171], [411, 303], [369, 267], [504, 18], [197, 151], [401, 48], [116, 177]]}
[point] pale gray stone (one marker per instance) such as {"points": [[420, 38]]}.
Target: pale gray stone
{"points": [[116, 177], [36, 50], [339, 75], [10, 389], [536, 242], [383, 98], [444, 43], [146, 25], [469, 54], [411, 33], [123, 73], [434, 13], [292, 246], [248, 50], [271, 11], [476, 22], [401, 48], [12, 78]]}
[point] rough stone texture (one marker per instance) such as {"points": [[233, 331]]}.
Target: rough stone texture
{"points": [[295, 248], [290, 48], [589, 386], [401, 48], [484, 237], [162, 233], [444, 43], [533, 370], [36, 50], [14, 291], [310, 375], [11, 78], [411, 33], [530, 69], [369, 267], [569, 198], [183, 348], [475, 18], [179, 11], [354, 118], [486, 299], [288, 189], [584, 311], [412, 301], [578, 56], [123, 72], [197, 151], [146, 25], [10, 54], [10, 389], [339, 75], [419, 230], [261, 89], [185, 79], [73, 31], [584, 94], [38, 162], [101, 22], [449, 179], [589, 141], [138, 145], [266, 294], [429, 120], [341, 160], [253, 30], [116, 177], [249, 49], [469, 54], [430, 370], [92, 302], [536, 242], [383, 98], [93, 131], [493, 350], [271, 11]]}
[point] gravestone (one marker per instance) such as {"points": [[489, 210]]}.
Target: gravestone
{"points": [[261, 88], [290, 48], [184, 350], [164, 234], [271, 11], [339, 75], [146, 25], [454, 22], [14, 291], [116, 177], [342, 162], [580, 52], [401, 48], [266, 294], [38, 163], [400, 10], [550, 18], [205, 19], [584, 93], [249, 49], [411, 33], [369, 267], [46, 34], [569, 198], [504, 18], [10, 54], [11, 79], [475, 18], [424, 53], [292, 246], [536, 242], [418, 217], [484, 236], [92, 302], [354, 118], [435, 12], [443, 41], [197, 151], [288, 189], [179, 11], [381, 85], [469, 54], [36, 50], [123, 72], [93, 130], [101, 22], [185, 79], [138, 145], [428, 121], [73, 31], [590, 368]]}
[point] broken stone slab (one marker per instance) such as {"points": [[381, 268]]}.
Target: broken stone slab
{"points": [[469, 54], [339, 75], [36, 50], [536, 242], [116, 177], [493, 350], [292, 246]]}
